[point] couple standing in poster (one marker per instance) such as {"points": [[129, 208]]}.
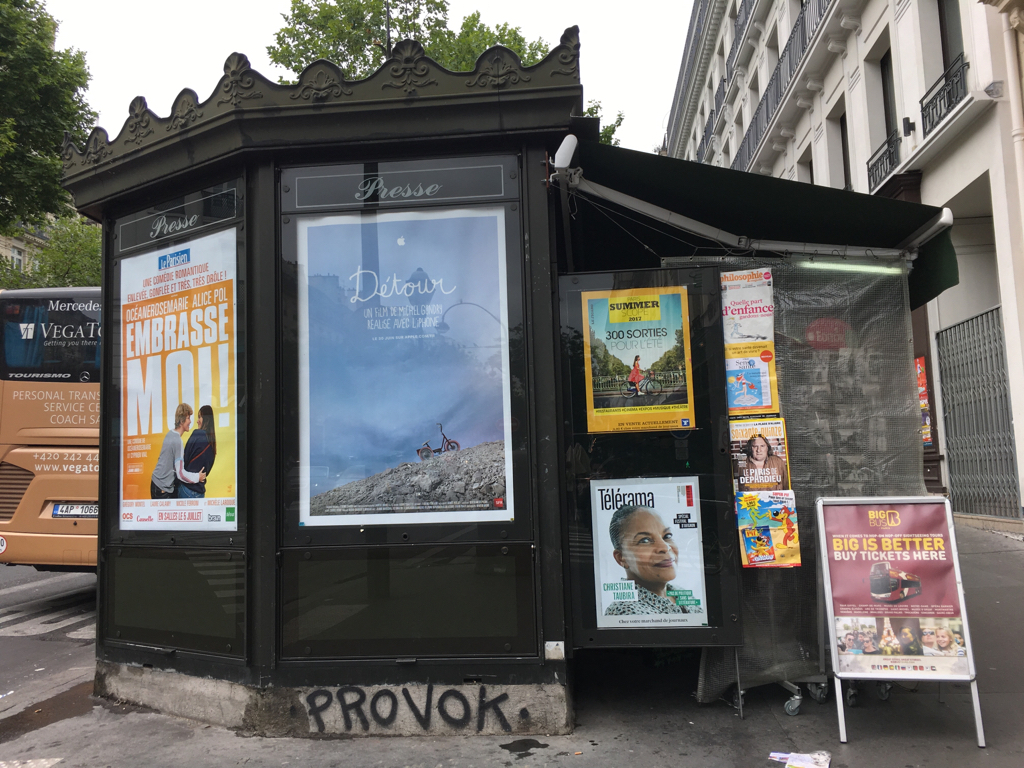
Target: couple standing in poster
{"points": [[182, 474]]}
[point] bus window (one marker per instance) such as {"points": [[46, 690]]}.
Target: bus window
{"points": [[50, 339]]}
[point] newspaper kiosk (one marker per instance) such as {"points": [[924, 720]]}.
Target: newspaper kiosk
{"points": [[397, 413]]}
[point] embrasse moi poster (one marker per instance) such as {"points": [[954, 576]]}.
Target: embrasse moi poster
{"points": [[648, 556], [178, 379], [637, 353], [404, 379]]}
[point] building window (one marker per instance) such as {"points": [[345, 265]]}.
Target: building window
{"points": [[950, 32], [18, 259], [888, 92], [844, 137]]}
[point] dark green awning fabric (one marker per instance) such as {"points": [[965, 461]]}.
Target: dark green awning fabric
{"points": [[766, 208]]}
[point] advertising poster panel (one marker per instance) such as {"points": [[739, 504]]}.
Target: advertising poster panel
{"points": [[768, 528], [922, 398], [638, 360], [178, 379], [648, 558], [760, 457], [894, 596], [748, 319], [404, 382]]}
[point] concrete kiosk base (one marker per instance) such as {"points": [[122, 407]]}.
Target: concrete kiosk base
{"points": [[415, 709]]}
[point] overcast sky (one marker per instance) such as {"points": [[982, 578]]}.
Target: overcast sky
{"points": [[629, 54]]}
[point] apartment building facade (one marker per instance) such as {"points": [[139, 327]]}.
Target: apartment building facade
{"points": [[19, 248], [912, 99]]}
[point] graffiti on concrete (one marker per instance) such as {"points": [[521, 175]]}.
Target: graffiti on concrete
{"points": [[359, 706]]}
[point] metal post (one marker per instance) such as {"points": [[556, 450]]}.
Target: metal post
{"points": [[840, 711], [976, 701], [739, 688]]}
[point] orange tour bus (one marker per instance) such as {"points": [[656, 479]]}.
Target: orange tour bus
{"points": [[49, 427]]}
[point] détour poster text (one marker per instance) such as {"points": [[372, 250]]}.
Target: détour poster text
{"points": [[637, 349], [894, 598], [648, 556], [178, 342], [404, 378]]}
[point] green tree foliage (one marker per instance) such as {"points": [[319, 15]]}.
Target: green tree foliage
{"points": [[353, 35], [70, 257], [675, 358], [604, 362], [607, 131], [41, 97]]}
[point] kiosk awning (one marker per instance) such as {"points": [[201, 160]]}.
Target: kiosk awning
{"points": [[764, 208]]}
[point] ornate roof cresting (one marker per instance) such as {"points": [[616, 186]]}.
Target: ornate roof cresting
{"points": [[409, 76]]}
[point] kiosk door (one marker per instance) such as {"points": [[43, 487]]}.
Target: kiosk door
{"points": [[650, 524]]}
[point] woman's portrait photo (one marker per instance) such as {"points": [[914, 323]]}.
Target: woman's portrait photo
{"points": [[643, 546], [200, 453]]}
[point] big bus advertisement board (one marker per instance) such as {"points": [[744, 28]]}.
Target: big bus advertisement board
{"points": [[179, 425], [894, 596]]}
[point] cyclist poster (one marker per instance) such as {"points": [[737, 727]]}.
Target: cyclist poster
{"points": [[893, 589], [177, 362], [637, 351], [404, 387], [748, 315], [648, 556]]}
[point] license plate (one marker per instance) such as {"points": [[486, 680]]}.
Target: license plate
{"points": [[76, 510]]}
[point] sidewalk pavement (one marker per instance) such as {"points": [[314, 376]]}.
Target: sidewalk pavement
{"points": [[630, 713]]}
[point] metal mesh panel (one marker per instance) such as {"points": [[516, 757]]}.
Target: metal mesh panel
{"points": [[976, 414], [848, 393], [14, 481]]}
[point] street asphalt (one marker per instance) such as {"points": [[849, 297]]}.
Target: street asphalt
{"points": [[633, 710]]}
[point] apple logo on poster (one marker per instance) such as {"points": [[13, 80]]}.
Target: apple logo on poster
{"points": [[401, 241]]}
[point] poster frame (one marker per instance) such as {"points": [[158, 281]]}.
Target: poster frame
{"points": [[718, 514], [110, 417], [821, 505], [394, 532]]}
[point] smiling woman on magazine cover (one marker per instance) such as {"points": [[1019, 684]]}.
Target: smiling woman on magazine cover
{"points": [[644, 547]]}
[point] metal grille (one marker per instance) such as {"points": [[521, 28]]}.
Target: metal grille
{"points": [[976, 414], [13, 484]]}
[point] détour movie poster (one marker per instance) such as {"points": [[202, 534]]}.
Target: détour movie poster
{"points": [[895, 603], [178, 379], [748, 319], [648, 557], [637, 350], [404, 379]]}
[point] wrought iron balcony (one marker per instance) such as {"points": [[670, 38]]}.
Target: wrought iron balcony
{"points": [[705, 142], [944, 95], [719, 97], [800, 39], [884, 160], [739, 29]]}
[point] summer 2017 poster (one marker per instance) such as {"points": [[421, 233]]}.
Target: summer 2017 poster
{"points": [[769, 532], [760, 457], [648, 556], [894, 598], [404, 382], [179, 414], [637, 350], [748, 320]]}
